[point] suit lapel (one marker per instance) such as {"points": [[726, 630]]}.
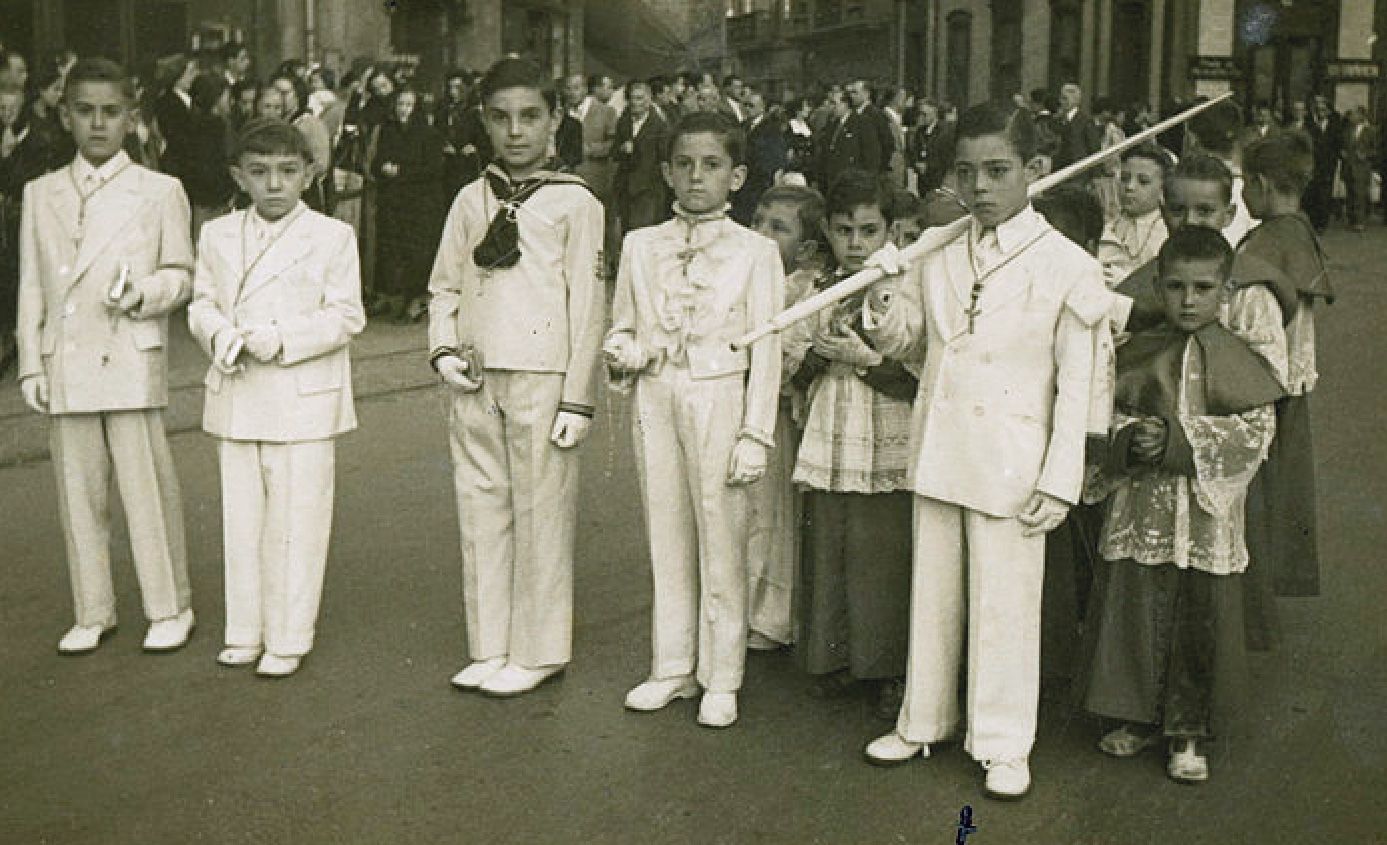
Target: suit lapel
{"points": [[65, 206], [110, 212], [1012, 280], [959, 266], [232, 245], [293, 244]]}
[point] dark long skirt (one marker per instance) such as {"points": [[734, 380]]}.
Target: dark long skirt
{"points": [[855, 588], [1165, 647], [408, 225], [1282, 532]]}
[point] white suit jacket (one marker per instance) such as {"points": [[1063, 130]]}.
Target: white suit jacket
{"points": [[308, 285], [95, 360], [1002, 411]]}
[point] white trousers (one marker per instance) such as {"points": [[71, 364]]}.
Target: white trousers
{"points": [[277, 518], [685, 430], [85, 448], [517, 499], [978, 575]]}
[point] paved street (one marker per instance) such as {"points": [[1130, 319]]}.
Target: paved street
{"points": [[370, 744]]}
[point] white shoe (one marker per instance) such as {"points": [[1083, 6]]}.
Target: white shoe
{"points": [[274, 666], [717, 709], [1007, 780], [656, 693], [476, 673], [893, 750], [169, 634], [1186, 765], [239, 655], [757, 641], [83, 639], [513, 680]]}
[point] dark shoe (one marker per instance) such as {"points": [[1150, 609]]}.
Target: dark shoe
{"points": [[834, 685]]}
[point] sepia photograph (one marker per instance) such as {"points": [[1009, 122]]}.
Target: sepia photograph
{"points": [[723, 422]]}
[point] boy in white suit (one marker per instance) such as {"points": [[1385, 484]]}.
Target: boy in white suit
{"points": [[515, 326], [276, 300], [104, 257], [704, 413], [1008, 314]]}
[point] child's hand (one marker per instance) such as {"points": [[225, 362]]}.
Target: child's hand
{"points": [[454, 371], [887, 260], [570, 429], [222, 342], [623, 353], [1148, 441], [1042, 514], [35, 390], [748, 462], [263, 343], [847, 347], [129, 302]]}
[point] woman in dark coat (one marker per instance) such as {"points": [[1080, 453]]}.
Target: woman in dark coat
{"points": [[205, 176], [407, 170]]}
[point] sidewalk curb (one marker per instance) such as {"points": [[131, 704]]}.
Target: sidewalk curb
{"points": [[24, 436]]}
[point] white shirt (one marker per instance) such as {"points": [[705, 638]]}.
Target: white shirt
{"points": [[89, 177], [263, 232], [637, 123], [581, 111], [184, 96]]}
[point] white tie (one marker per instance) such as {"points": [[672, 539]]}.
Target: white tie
{"points": [[987, 252]]}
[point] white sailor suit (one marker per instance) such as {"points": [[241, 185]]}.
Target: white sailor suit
{"points": [[537, 329], [276, 421], [107, 372], [1002, 412]]}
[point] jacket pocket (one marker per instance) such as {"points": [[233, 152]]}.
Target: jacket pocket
{"points": [[319, 376], [147, 334]]}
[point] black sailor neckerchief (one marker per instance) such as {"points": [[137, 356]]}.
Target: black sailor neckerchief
{"points": [[500, 246]]}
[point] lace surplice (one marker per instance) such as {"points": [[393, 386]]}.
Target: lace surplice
{"points": [[1158, 517]]}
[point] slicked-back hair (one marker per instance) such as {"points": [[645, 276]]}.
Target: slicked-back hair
{"points": [[99, 70], [270, 136], [731, 135], [1013, 124], [1075, 212], [1204, 168], [807, 202], [1152, 153], [1286, 160], [514, 72], [855, 188], [1196, 243]]}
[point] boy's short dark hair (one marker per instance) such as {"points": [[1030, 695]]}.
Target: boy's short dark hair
{"points": [[515, 72], [269, 136], [714, 123], [99, 70], [1203, 168], [1216, 128], [855, 189], [1151, 153], [1016, 125], [808, 204], [1286, 160], [1196, 243], [1075, 212]]}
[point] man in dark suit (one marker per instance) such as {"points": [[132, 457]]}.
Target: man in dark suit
{"points": [[642, 198], [872, 126], [765, 157], [1359, 151], [843, 144], [931, 146], [1325, 129], [733, 89], [1079, 134]]}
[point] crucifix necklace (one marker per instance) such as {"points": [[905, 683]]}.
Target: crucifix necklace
{"points": [[83, 198], [979, 277]]}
